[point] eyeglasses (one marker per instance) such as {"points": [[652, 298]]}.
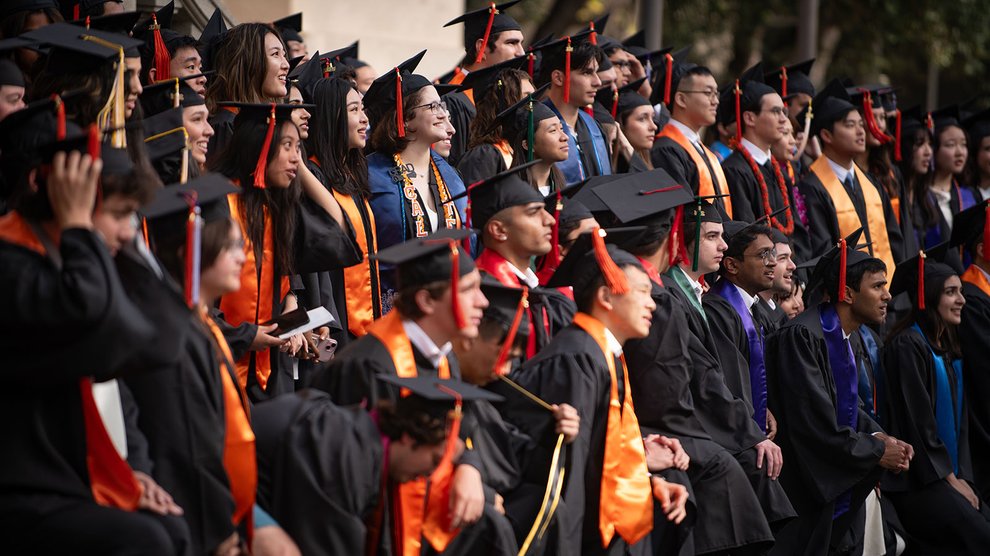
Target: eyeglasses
{"points": [[435, 107], [621, 64], [712, 94], [777, 111], [768, 255]]}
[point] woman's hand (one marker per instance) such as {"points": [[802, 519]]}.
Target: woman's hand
{"points": [[72, 189]]}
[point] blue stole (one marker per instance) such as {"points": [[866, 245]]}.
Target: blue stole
{"points": [[573, 168], [869, 386], [757, 368], [948, 415], [846, 377]]}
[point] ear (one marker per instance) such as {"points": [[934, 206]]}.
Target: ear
{"points": [[497, 230], [152, 74], [603, 297], [557, 78], [749, 119], [525, 144], [825, 136], [478, 46], [731, 265], [32, 179], [465, 344], [979, 250], [680, 100], [425, 303]]}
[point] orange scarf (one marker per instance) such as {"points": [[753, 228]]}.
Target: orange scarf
{"points": [[975, 276], [238, 450], [111, 479], [626, 505], [706, 182], [253, 302], [415, 515]]}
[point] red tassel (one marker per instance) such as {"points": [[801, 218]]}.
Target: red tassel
{"points": [[871, 122], [783, 81], [615, 101], [589, 111], [842, 270], [400, 120], [466, 242], [75, 11], [615, 279], [87, 22], [738, 114], [921, 280], [488, 31], [59, 117], [667, 79], [93, 146], [510, 336], [530, 62], [930, 123], [327, 67], [261, 167], [162, 59], [897, 137], [567, 71], [593, 37]]}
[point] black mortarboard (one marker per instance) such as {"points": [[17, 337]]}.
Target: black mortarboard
{"points": [[914, 272], [169, 94], [978, 127], [554, 52], [10, 74], [699, 211], [572, 210], [485, 79], [345, 55], [633, 199], [166, 141], [504, 190], [750, 89], [507, 307], [447, 88], [591, 257], [76, 50], [434, 396], [888, 98], [485, 22], [791, 80], [829, 106], [971, 224], [305, 77], [621, 100], [515, 120], [866, 98], [78, 9], [671, 68], [597, 33], [11, 7], [534, 55], [159, 40], [121, 23], [946, 116], [29, 130], [382, 94], [570, 204], [213, 31], [290, 27], [845, 254], [116, 162], [264, 119]]}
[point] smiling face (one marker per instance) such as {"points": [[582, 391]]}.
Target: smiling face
{"points": [[132, 74], [952, 150], [639, 128], [550, 141], [276, 68], [786, 147], [847, 136], [357, 121], [195, 120], [283, 167], [951, 301], [783, 277], [114, 220], [696, 101], [753, 271], [187, 61], [423, 124]]}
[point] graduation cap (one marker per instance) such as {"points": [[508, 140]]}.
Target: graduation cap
{"points": [[155, 34], [78, 9], [836, 261], [744, 95], [866, 98], [504, 190], [168, 94], [267, 117], [213, 31], [390, 88], [439, 398], [78, 50], [978, 127], [944, 117], [913, 272], [485, 22], [40, 129], [701, 210], [434, 258], [122, 23], [523, 117], [971, 225], [591, 257], [116, 162], [347, 55], [672, 67], [791, 80], [557, 55], [181, 210], [623, 99], [11, 7], [485, 79], [305, 76], [829, 106], [534, 55], [166, 141], [447, 88], [10, 74], [290, 27], [596, 28], [506, 306], [570, 204]]}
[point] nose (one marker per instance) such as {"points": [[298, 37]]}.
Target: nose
{"points": [[208, 130]]}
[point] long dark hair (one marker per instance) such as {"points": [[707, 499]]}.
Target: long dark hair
{"points": [[345, 168], [81, 108], [924, 211], [505, 93], [519, 157], [241, 64], [879, 165], [237, 162], [942, 335]]}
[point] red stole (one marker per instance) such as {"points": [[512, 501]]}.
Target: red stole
{"points": [[496, 265]]}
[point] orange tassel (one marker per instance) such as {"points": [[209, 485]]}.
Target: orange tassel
{"points": [[488, 31], [510, 336], [668, 79], [615, 279], [842, 270], [921, 280], [93, 146], [567, 70], [261, 167], [400, 120], [738, 93], [162, 59]]}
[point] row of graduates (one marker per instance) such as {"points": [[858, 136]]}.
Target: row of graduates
{"points": [[508, 249]]}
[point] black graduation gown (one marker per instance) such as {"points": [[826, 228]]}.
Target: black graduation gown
{"points": [[481, 162], [973, 336], [822, 459], [181, 411], [747, 197], [934, 514], [222, 122], [734, 350], [461, 112], [670, 156], [729, 514], [823, 227], [319, 471]]}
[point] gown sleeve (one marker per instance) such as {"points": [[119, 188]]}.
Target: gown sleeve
{"points": [[822, 226], [320, 243]]}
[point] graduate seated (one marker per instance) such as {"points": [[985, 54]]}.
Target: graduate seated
{"points": [[925, 403]]}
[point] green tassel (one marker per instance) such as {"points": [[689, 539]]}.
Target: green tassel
{"points": [[697, 238], [530, 133]]}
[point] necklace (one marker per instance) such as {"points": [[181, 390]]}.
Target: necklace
{"points": [[788, 226]]}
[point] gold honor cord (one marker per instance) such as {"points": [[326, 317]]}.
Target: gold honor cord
{"points": [[555, 478], [112, 113]]}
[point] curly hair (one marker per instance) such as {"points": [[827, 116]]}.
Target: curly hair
{"points": [[384, 132], [398, 418], [507, 92]]}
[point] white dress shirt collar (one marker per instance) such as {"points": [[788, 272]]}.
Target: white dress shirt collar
{"points": [[425, 344], [760, 157], [691, 135], [749, 300], [613, 343], [527, 276], [839, 171]]}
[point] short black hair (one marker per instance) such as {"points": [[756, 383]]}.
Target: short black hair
{"points": [[584, 298], [404, 300], [581, 58], [831, 125], [739, 241], [396, 419], [854, 276]]}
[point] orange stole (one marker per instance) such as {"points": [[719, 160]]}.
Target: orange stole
{"points": [[626, 505], [706, 182], [238, 445], [417, 516], [975, 276], [359, 298], [111, 479], [845, 210], [253, 302]]}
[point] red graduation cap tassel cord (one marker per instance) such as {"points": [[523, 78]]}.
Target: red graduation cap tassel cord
{"points": [[400, 119], [261, 167], [488, 31], [738, 93], [93, 146], [59, 117], [75, 11], [510, 336], [897, 137], [327, 67], [567, 70], [921, 280], [455, 275], [615, 101], [783, 81], [162, 60], [530, 63], [871, 122], [667, 78], [550, 261], [842, 270], [593, 36], [615, 279]]}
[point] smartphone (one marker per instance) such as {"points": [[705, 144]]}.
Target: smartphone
{"points": [[325, 349]]}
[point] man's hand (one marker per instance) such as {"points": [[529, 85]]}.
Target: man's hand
{"points": [[658, 456], [263, 340], [681, 458], [499, 504], [154, 498], [771, 425], [962, 487], [770, 452], [897, 454], [467, 497], [231, 546], [72, 189], [672, 497], [568, 421]]}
